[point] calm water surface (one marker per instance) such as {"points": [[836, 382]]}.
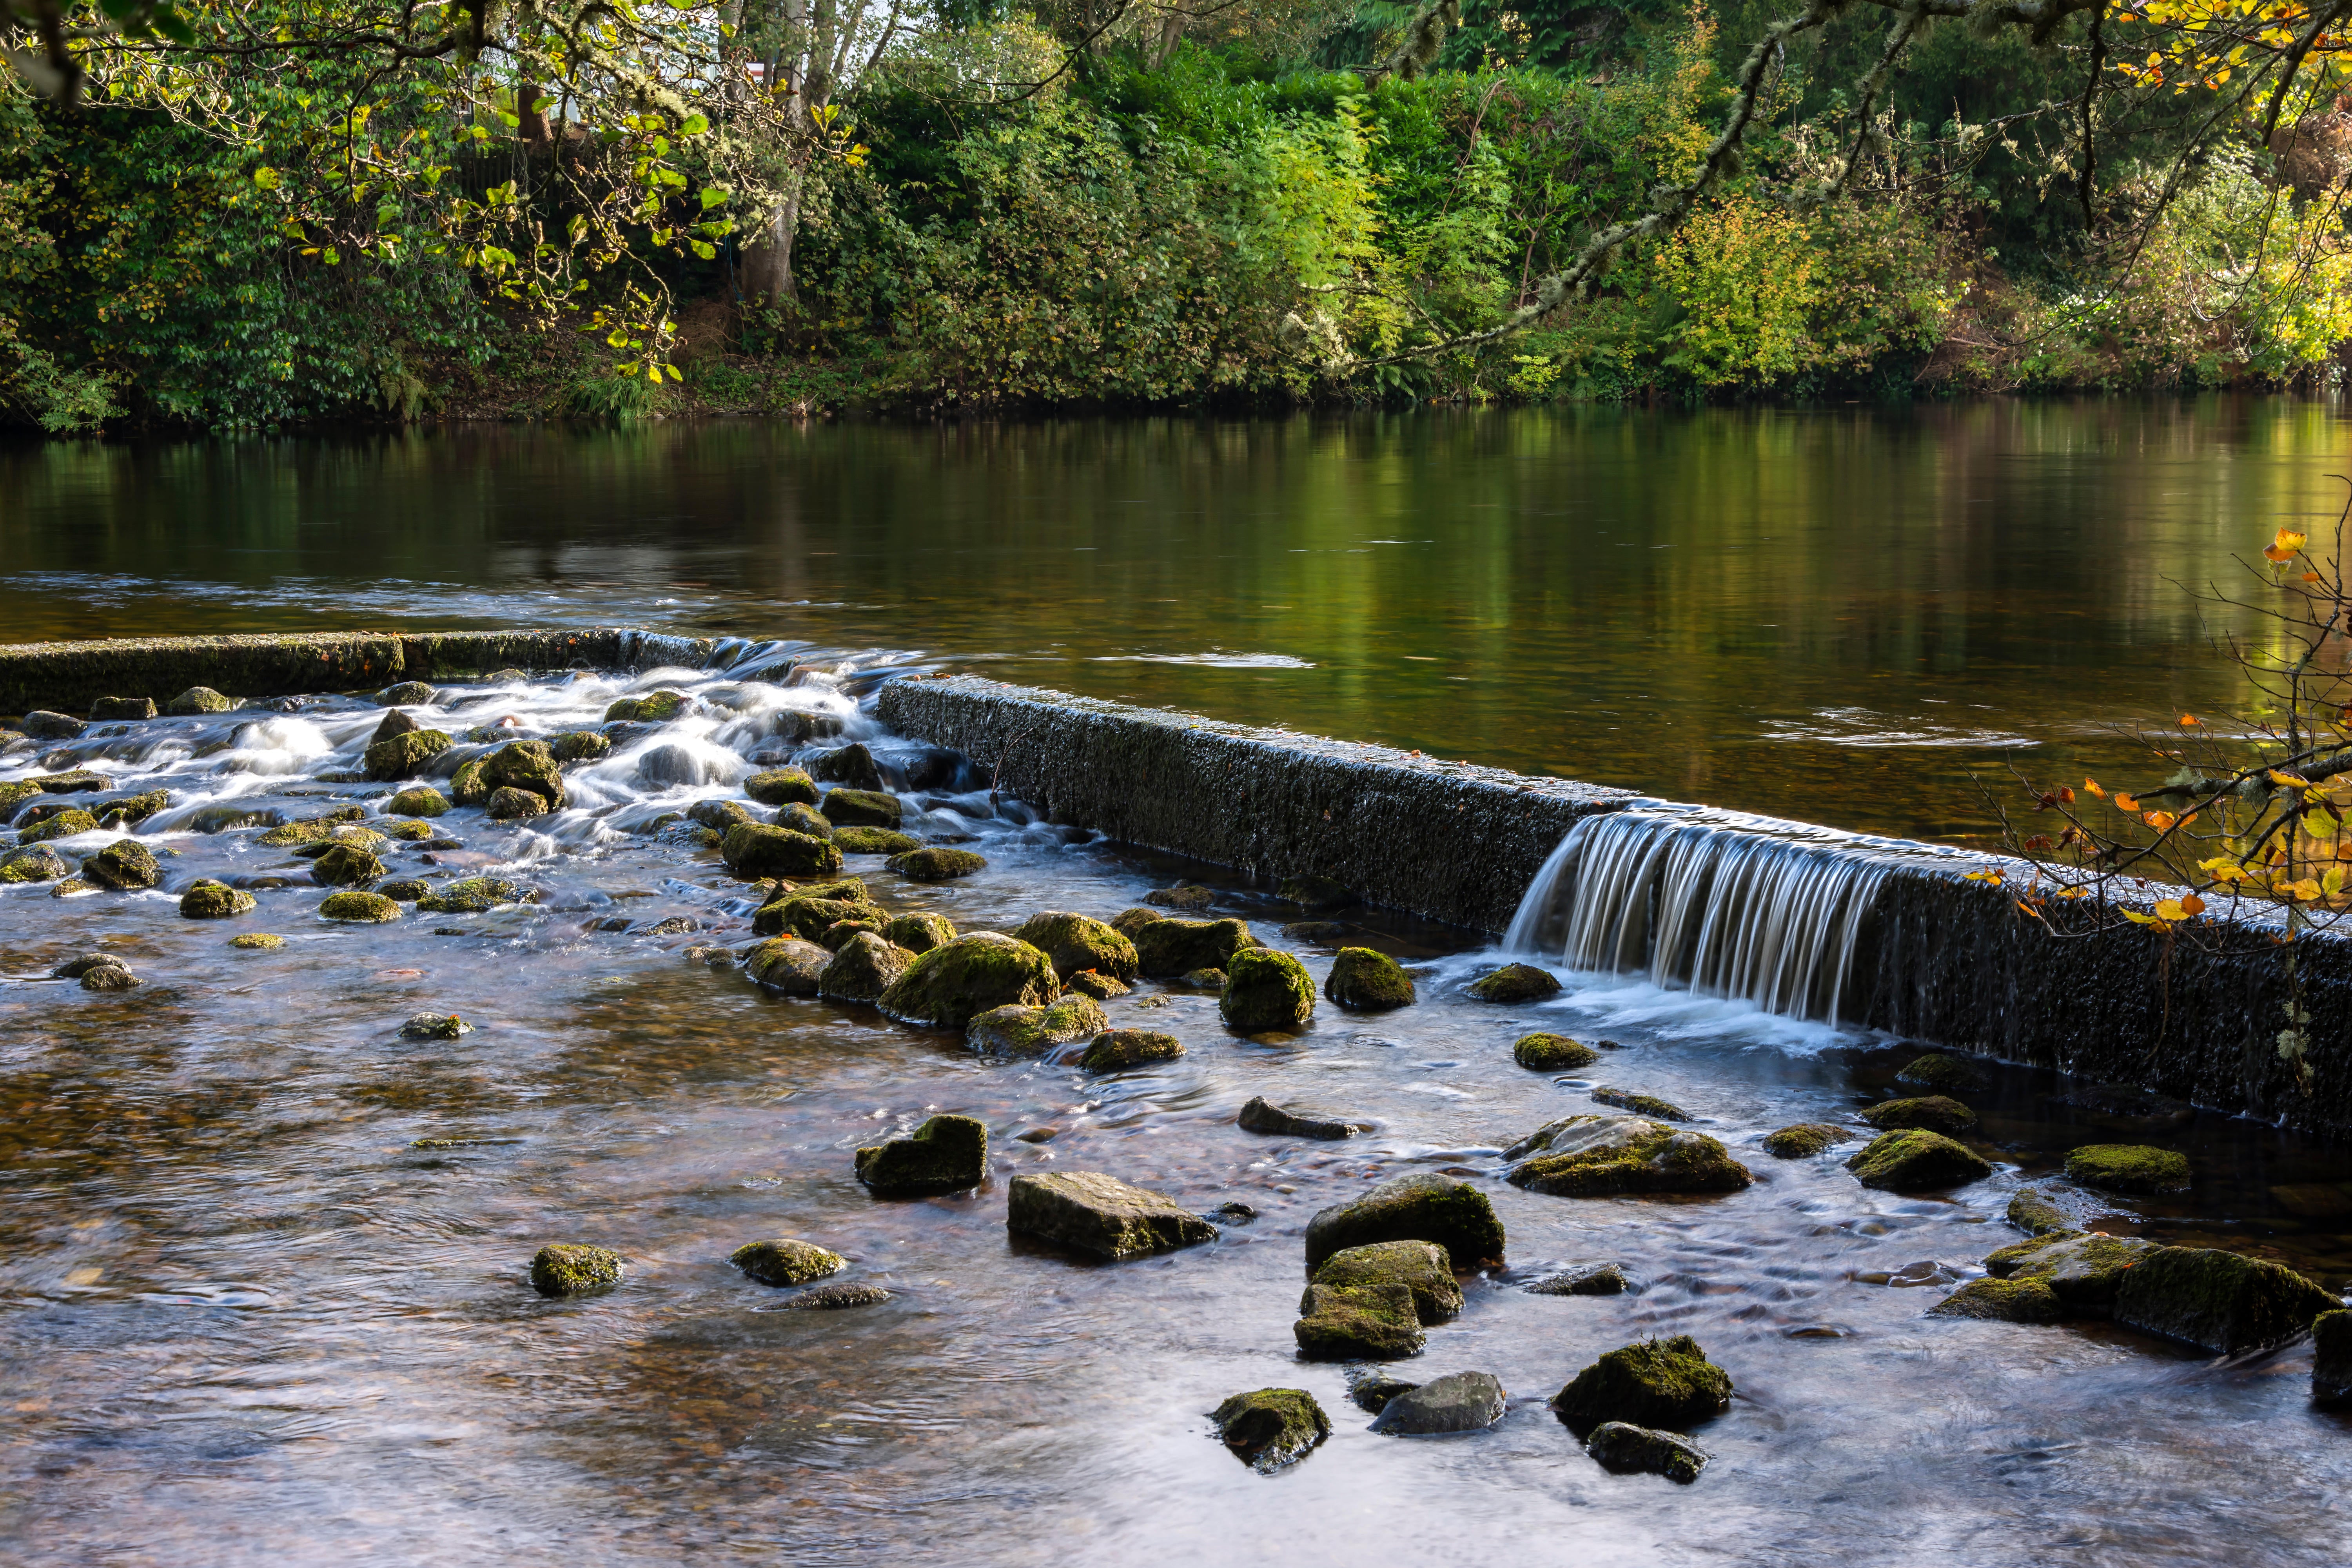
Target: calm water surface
{"points": [[243, 1319]]}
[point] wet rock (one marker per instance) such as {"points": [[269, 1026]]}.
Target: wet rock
{"points": [[861, 969], [834, 1297], [1101, 987], [1651, 1382], [1552, 1053], [1916, 1161], [2221, 1301], [2002, 1301], [123, 864], [75, 780], [1372, 1387], [366, 840], [1075, 943], [1266, 989], [108, 976], [2129, 1168], [1315, 893], [935, 864], [781, 786], [569, 1268], [2084, 1272], [861, 809], [359, 908], [474, 896], [411, 832], [750, 849], [1190, 896], [1126, 922], [954, 984], [671, 764], [1271, 1428], [853, 765], [580, 746], [1458, 1402], [1628, 1449], [1597, 1156], [402, 756], [1116, 1050], [653, 708], [1363, 981], [43, 725], [118, 709], [1025, 1031], [875, 841], [82, 964], [723, 815], [1166, 947], [257, 942], [1935, 1112], [1203, 980], [1420, 1207], [1516, 983], [786, 1262], [59, 824], [1803, 1139], [308, 830], [834, 936], [1374, 1322], [395, 724], [1102, 1214], [2123, 1108], [506, 676], [790, 965], [466, 785], [2331, 1360], [345, 865], [406, 694], [810, 915], [419, 800], [919, 933], [1261, 1115], [435, 1027], [1940, 1070], [946, 1154], [1322, 933], [1587, 1279], [792, 814], [224, 818], [13, 795], [528, 766], [1648, 1105], [198, 699], [34, 863], [126, 811], [2037, 1215], [1422, 1268], [211, 901]]}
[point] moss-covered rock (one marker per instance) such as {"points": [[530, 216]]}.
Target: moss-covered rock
{"points": [[1204, 979], [580, 746], [346, 866], [1375, 1322], [1271, 1428], [1516, 983], [435, 1027], [123, 864], [118, 709], [82, 964], [781, 786], [198, 699], [862, 968], [936, 863], [365, 839], [789, 965], [13, 797], [875, 841], [861, 809], [653, 708], [750, 849], [1266, 989], [2037, 1215], [33, 863], [2129, 1168], [308, 830], [1584, 1280], [1648, 1105], [128, 811], [58, 825], [1126, 922], [408, 830], [406, 694], [2331, 1360], [1262, 1115], [527, 765], [569, 1269], [359, 908], [1935, 1112], [211, 901], [1916, 1161], [258, 941], [1627, 1449], [420, 800], [402, 756], [1803, 1139], [1942, 1072], [1116, 1050], [1101, 1215], [1076, 942], [919, 932], [1420, 1266], [946, 1154], [2084, 1272], [835, 1297], [1024, 1031], [1190, 895], [42, 724], [111, 975], [1101, 987], [851, 764], [1420, 1207], [809, 917], [792, 814], [954, 984], [1168, 947], [2221, 1301], [73, 781], [1599, 1156], [786, 1262], [1651, 1382], [1363, 981], [473, 896], [836, 937], [722, 814], [466, 785], [2002, 1301]]}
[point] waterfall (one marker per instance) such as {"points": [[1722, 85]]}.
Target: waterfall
{"points": [[1772, 912]]}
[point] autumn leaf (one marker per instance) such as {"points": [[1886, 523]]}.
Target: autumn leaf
{"points": [[2093, 784], [2140, 919], [1989, 874], [2283, 548], [2160, 820], [2127, 802], [2290, 781], [2194, 904], [2188, 721], [2171, 910]]}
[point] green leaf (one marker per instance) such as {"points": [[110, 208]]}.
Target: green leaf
{"points": [[268, 179], [694, 125], [704, 249], [711, 196]]}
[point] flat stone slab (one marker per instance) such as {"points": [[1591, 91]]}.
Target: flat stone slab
{"points": [[1458, 1402], [1102, 1214]]}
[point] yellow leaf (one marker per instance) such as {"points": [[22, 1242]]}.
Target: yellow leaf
{"points": [[2170, 910], [2092, 785], [2140, 919], [2291, 780], [2126, 803], [1989, 874]]}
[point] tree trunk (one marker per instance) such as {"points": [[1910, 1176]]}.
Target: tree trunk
{"points": [[534, 120], [766, 277]]}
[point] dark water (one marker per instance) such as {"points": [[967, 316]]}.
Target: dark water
{"points": [[244, 1318]]}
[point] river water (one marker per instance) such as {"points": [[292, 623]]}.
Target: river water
{"points": [[243, 1317]]}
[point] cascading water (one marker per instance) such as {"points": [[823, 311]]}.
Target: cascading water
{"points": [[1772, 912]]}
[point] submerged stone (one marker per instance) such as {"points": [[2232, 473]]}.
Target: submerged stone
{"points": [[2002, 1301], [789, 965], [954, 984], [435, 1027], [359, 908], [1424, 1207], [1262, 1115], [1266, 989], [1941, 1071], [1588, 1280], [2037, 1215], [1102, 1214], [2129, 1168], [1628, 1449], [1364, 980], [1935, 1112], [834, 1297], [1803, 1139], [919, 933], [1170, 947], [936, 863], [946, 1154], [1648, 1105], [862, 968], [2221, 1301], [1025, 1031], [1916, 1161], [1116, 1050], [1552, 1053], [1076, 942], [198, 699], [1271, 1428], [1651, 1382], [751, 849], [123, 864], [1599, 1156], [1190, 896], [1516, 983], [211, 901], [786, 1262], [1371, 1322], [1420, 1266], [257, 942], [1458, 1402], [568, 1269]]}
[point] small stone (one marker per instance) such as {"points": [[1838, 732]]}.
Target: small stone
{"points": [[2129, 1168], [473, 896], [1075, 943], [257, 942], [1939, 1070], [2037, 1215], [43, 725], [435, 1027], [1803, 1139], [1204, 980], [108, 977], [789, 965], [863, 968], [123, 864], [1552, 1053], [1372, 1388], [1261, 1115], [1516, 983], [1590, 1279], [1374, 1322], [862, 808], [786, 1262], [946, 1154], [409, 832], [1116, 1050], [1627, 1449], [1424, 1207], [211, 901], [1458, 1402], [404, 889], [1021, 1031], [1651, 1382], [754, 849], [1364, 980], [935, 864], [1189, 897], [2002, 1301], [723, 815], [781, 786], [1420, 1266], [117, 709], [1166, 947], [198, 699], [833, 1298], [2331, 1360], [1648, 1105], [1102, 1214], [1271, 1428], [1599, 1156], [1101, 987], [1917, 1160], [345, 865], [580, 746], [1935, 1112], [34, 863], [1266, 989], [568, 1269], [918, 933], [359, 908]]}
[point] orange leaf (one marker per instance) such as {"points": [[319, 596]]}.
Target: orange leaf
{"points": [[2093, 784], [2160, 820], [2126, 803], [2188, 721], [2194, 904]]}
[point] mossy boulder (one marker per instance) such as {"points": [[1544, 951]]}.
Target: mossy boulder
{"points": [[780, 786], [1204, 979], [1916, 1161], [2129, 1168], [528, 765], [571, 1267], [42, 724], [836, 937], [1651, 1382], [2037, 1215], [466, 785], [835, 1297], [359, 908], [118, 709], [580, 746], [1424, 1207], [58, 825], [126, 863], [851, 764], [789, 965], [2331, 1360], [308, 830], [1941, 1071], [809, 917], [420, 800], [129, 810], [404, 755], [861, 969], [1363, 981], [406, 694], [861, 809], [1516, 983], [1271, 1428], [2084, 1272], [792, 814], [936, 863], [211, 901], [1803, 1139], [1126, 922], [875, 841], [1101, 987], [1116, 1050], [1190, 896], [751, 849], [1626, 1450], [1935, 1112], [1373, 1322], [919, 932], [346, 866], [111, 975], [1420, 1266], [1266, 989], [786, 1262], [954, 984], [653, 708], [13, 797], [1101, 1215], [1020, 1031], [946, 1154], [1602, 1156], [722, 814], [1552, 1053], [2221, 1301], [34, 863], [198, 699], [1170, 947], [473, 896], [258, 941], [409, 830], [1262, 1115], [1076, 942], [1648, 1105], [2002, 1301]]}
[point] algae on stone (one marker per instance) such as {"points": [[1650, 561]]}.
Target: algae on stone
{"points": [[211, 901], [1364, 980], [2223, 1301], [1552, 1053], [1271, 1428], [861, 969], [2129, 1168], [34, 863], [2037, 1215], [790, 965], [1126, 922], [1803, 1139], [1076, 942], [528, 766], [198, 699], [786, 1262], [1648, 1105], [257, 942], [2084, 1272], [1371, 1322], [1266, 989], [1101, 987], [1516, 983], [1423, 1206], [1016, 1030], [875, 841], [60, 824], [1420, 1266], [792, 814], [1168, 947], [956, 982], [751, 849], [2002, 1301], [1935, 1112], [359, 908], [945, 1154], [861, 809], [1601, 1156], [919, 933], [1651, 1382], [402, 756], [568, 1269], [1115, 1050], [510, 805], [346, 866], [936, 863], [581, 746], [780, 786], [1916, 1161], [1099, 1214], [123, 864]]}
